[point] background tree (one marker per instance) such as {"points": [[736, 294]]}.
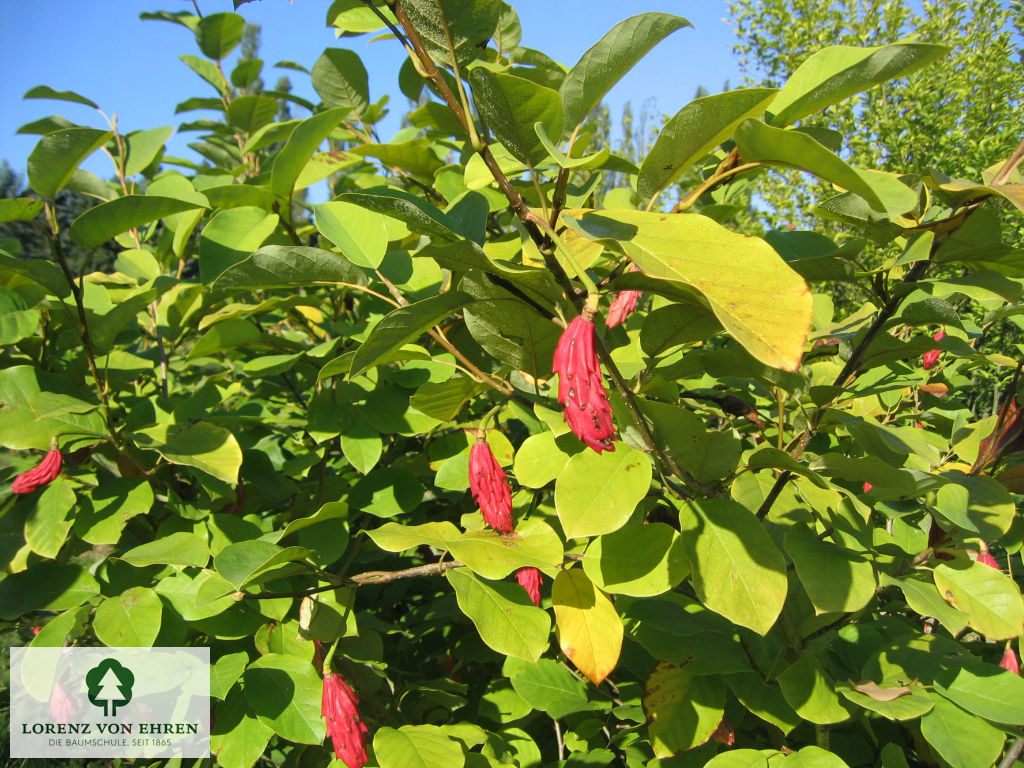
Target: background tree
{"points": [[978, 83]]}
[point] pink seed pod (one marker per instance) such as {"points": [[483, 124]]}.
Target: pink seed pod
{"points": [[1009, 661], [984, 556], [623, 305], [866, 488], [489, 484], [340, 707], [45, 472], [530, 579], [580, 386]]}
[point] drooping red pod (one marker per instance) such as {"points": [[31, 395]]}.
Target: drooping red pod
{"points": [[340, 707], [984, 556], [45, 472], [623, 305], [530, 579], [1010, 661], [489, 484], [580, 385]]}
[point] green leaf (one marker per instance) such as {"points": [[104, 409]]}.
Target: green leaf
{"points": [[362, 445], [834, 578], [922, 597], [737, 570], [813, 757], [910, 705], [588, 627], [202, 445], [46, 586], [403, 325], [740, 758], [444, 399], [209, 72], [285, 692], [132, 619], [48, 524], [708, 455], [251, 112], [21, 428], [759, 142], [359, 233], [394, 537], [341, 80], [495, 556], [510, 106], [304, 140], [244, 563], [107, 220], [683, 709], [694, 131], [184, 549], [246, 72], [282, 266], [551, 688], [604, 63], [503, 615], [596, 493], [54, 159], [19, 209], [989, 692], [963, 740], [508, 328], [637, 560], [229, 238], [757, 297], [539, 460], [459, 26], [809, 691], [236, 736], [46, 92], [830, 75], [419, 215], [143, 148], [991, 600], [416, 746], [219, 33]]}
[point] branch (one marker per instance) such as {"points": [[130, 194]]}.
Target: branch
{"points": [[370, 577]]}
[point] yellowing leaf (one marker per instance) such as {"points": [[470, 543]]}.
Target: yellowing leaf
{"points": [[683, 709], [589, 629], [760, 301]]}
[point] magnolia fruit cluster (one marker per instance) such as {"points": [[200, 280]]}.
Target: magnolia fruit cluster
{"points": [[580, 385], [340, 707], [46, 471], [489, 484]]}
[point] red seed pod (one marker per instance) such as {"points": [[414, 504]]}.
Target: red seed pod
{"points": [[984, 556], [866, 488], [489, 484], [45, 472], [580, 387], [724, 733], [623, 305], [340, 707], [530, 579], [61, 707], [1009, 661], [931, 357]]}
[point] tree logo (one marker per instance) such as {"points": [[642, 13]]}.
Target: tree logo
{"points": [[110, 686]]}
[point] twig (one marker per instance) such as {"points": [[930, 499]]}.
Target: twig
{"points": [[360, 579], [1011, 163], [1013, 753]]}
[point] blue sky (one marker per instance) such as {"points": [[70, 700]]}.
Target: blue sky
{"points": [[130, 67]]}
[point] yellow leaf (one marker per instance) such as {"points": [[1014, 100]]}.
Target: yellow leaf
{"points": [[589, 629]]}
